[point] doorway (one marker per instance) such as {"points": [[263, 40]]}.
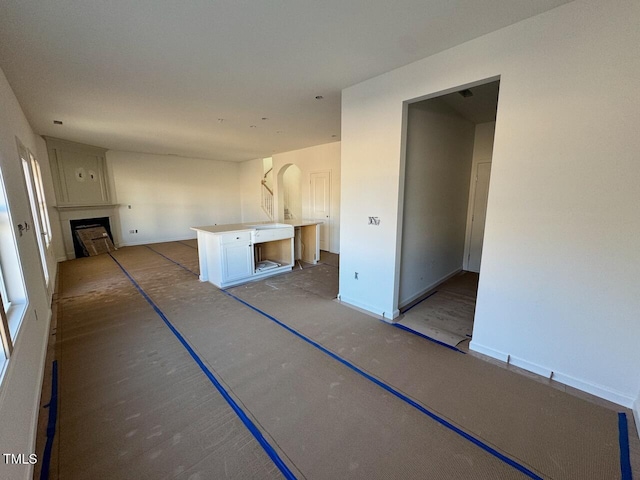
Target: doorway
{"points": [[320, 205], [290, 193], [448, 151]]}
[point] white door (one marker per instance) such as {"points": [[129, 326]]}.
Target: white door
{"points": [[320, 202], [483, 173]]}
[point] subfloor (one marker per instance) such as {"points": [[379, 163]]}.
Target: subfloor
{"points": [[162, 376], [446, 313]]}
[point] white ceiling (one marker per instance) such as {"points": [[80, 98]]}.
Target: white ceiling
{"points": [[156, 75]]}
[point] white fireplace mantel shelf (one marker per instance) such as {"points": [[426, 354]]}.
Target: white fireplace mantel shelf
{"points": [[63, 208]]}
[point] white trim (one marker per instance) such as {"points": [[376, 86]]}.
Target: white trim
{"points": [[367, 309], [470, 208], [15, 316], [636, 414], [594, 389], [533, 367], [97, 206], [9, 375], [35, 412], [588, 387], [428, 289], [489, 352], [135, 244]]}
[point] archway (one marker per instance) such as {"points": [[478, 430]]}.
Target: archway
{"points": [[289, 191]]}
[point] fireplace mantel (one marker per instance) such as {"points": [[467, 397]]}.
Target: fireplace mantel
{"points": [[80, 212], [64, 208]]}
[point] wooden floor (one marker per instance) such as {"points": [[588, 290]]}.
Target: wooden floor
{"points": [[329, 392]]}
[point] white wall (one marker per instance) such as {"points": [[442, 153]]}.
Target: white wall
{"points": [[251, 173], [313, 159], [20, 389], [482, 153], [169, 194], [440, 146], [483, 142], [561, 272], [316, 159]]}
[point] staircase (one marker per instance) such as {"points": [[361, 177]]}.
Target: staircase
{"points": [[267, 196]]}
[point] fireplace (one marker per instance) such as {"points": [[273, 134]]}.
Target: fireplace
{"points": [[87, 223], [71, 215]]}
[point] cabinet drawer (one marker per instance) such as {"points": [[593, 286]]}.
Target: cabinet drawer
{"points": [[244, 237], [271, 234]]}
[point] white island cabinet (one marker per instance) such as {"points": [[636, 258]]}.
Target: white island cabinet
{"points": [[233, 254]]}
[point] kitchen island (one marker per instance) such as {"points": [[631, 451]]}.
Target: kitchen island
{"points": [[237, 253], [306, 240]]}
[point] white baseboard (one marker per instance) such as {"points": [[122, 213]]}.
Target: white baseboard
{"points": [[588, 387], [367, 309], [532, 367], [636, 414], [151, 242], [36, 409], [428, 289], [489, 352]]}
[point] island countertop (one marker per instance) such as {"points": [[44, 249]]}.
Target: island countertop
{"points": [[303, 223], [250, 226], [235, 227]]}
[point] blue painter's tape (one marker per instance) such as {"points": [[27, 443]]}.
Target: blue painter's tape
{"points": [[232, 403], [177, 263], [395, 324], [407, 329], [51, 425], [390, 389], [623, 437], [401, 396]]}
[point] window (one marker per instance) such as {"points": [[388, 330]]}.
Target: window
{"points": [[40, 216], [12, 289], [42, 202]]}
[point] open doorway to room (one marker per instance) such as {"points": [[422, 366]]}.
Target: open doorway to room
{"points": [[448, 151], [290, 193]]}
